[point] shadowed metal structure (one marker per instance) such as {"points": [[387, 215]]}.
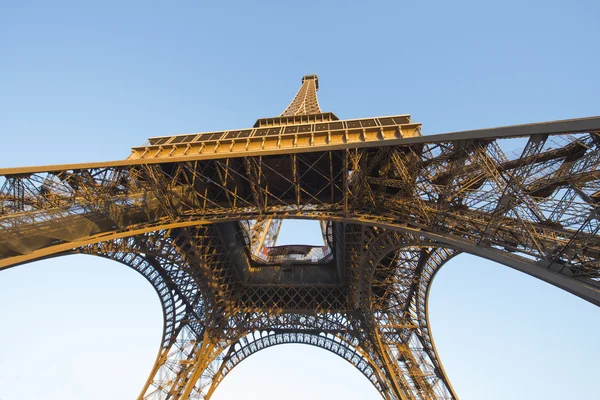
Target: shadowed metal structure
{"points": [[198, 216]]}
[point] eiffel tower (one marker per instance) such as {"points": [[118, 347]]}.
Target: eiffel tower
{"points": [[198, 216]]}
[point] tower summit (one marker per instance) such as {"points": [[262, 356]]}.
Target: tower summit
{"points": [[198, 216], [305, 102], [301, 127]]}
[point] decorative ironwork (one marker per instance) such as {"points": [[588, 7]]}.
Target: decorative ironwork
{"points": [[198, 216]]}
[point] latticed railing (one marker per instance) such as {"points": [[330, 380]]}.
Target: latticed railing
{"points": [[198, 216]]}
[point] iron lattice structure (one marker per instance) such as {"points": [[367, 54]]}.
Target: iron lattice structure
{"points": [[198, 216]]}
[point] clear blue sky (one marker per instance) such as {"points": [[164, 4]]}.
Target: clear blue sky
{"points": [[86, 82]]}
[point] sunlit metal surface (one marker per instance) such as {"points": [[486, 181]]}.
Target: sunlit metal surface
{"points": [[198, 216]]}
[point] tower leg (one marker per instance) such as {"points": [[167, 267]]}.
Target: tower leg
{"points": [[182, 369], [395, 317], [407, 364]]}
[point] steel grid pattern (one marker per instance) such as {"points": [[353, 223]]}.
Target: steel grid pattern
{"points": [[393, 210]]}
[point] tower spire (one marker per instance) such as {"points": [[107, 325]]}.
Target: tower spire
{"points": [[305, 102]]}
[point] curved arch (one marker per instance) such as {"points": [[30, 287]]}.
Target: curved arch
{"points": [[422, 261], [344, 330], [157, 257], [558, 276], [149, 268], [96, 311], [149, 271], [473, 287], [402, 236], [256, 341], [182, 303], [396, 241], [156, 278]]}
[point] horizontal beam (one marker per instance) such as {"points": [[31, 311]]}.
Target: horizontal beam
{"points": [[569, 284], [281, 138], [580, 125]]}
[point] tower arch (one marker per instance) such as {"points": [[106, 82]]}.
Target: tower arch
{"points": [[172, 210]]}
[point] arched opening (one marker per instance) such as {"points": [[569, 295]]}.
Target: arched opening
{"points": [[503, 334], [295, 371], [76, 327], [85, 327]]}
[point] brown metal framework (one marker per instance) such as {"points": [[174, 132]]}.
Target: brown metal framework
{"points": [[198, 215]]}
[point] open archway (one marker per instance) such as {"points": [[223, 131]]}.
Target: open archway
{"points": [[76, 327], [503, 334], [35, 297], [293, 372]]}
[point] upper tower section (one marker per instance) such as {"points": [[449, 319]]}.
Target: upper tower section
{"points": [[301, 127], [303, 108], [305, 102]]}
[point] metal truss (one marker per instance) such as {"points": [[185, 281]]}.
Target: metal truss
{"points": [[197, 216], [257, 341], [305, 102]]}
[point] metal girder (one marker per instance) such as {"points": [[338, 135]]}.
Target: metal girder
{"points": [[195, 213], [562, 127], [335, 343], [182, 201], [305, 102]]}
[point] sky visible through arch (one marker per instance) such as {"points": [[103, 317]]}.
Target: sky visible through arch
{"points": [[86, 82]]}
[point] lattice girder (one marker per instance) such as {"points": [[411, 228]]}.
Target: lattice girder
{"points": [[305, 102], [50, 215], [157, 258], [394, 206], [401, 269], [257, 341], [177, 361]]}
